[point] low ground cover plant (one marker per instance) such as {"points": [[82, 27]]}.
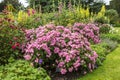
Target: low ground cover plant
{"points": [[22, 70]]}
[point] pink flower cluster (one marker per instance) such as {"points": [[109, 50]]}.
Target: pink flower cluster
{"points": [[71, 46], [90, 31]]}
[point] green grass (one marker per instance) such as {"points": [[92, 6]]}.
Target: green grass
{"points": [[110, 70]]}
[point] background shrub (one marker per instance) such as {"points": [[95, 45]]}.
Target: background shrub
{"points": [[117, 25], [112, 15], [22, 70], [102, 20]]}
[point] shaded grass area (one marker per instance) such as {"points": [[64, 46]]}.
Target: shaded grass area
{"points": [[110, 70]]}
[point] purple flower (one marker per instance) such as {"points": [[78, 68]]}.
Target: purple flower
{"points": [[40, 61]]}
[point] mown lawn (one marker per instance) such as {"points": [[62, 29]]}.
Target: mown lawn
{"points": [[110, 70]]}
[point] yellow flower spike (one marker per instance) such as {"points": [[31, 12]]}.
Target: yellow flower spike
{"points": [[103, 9], [87, 13], [82, 12], [102, 12], [20, 13], [26, 16], [11, 16]]}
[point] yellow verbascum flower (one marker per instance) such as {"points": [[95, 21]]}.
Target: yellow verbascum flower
{"points": [[87, 13], [102, 12], [82, 12], [103, 9], [22, 16]]}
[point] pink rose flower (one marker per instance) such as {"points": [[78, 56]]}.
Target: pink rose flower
{"points": [[27, 57]]}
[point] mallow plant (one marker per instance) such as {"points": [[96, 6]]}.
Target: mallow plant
{"points": [[62, 49]]}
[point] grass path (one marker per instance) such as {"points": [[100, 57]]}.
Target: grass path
{"points": [[110, 70]]}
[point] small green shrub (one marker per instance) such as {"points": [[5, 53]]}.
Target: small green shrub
{"points": [[22, 70], [105, 28]]}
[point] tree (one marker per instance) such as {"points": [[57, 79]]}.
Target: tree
{"points": [[94, 5], [15, 3], [44, 5], [115, 4], [48, 5]]}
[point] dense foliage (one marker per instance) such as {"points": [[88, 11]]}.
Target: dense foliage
{"points": [[54, 5]]}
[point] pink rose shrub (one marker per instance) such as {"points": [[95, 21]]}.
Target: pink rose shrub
{"points": [[66, 49]]}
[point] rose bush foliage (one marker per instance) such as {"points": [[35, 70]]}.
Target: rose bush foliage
{"points": [[61, 48]]}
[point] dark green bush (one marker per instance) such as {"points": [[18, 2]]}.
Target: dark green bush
{"points": [[22, 70], [10, 40]]}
